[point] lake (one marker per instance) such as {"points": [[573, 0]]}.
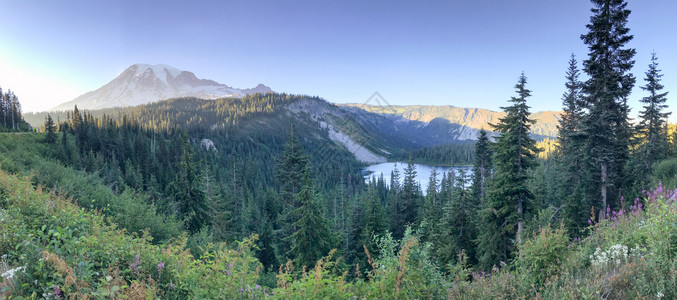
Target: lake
{"points": [[422, 172]]}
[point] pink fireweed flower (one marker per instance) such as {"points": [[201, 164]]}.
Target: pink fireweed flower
{"points": [[160, 266]]}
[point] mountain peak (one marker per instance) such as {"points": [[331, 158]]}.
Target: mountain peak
{"points": [[145, 83]]}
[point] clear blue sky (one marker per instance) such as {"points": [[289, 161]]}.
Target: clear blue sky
{"points": [[461, 53]]}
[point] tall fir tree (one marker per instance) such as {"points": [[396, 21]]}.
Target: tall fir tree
{"points": [[569, 123], [312, 238], [187, 190], [7, 108], [395, 204], [291, 167], [50, 130], [433, 187], [509, 198], [432, 209], [457, 230], [482, 167], [606, 124], [373, 224], [653, 124], [570, 150], [17, 119], [3, 110], [409, 200]]}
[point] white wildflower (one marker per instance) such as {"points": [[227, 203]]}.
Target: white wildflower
{"points": [[659, 295], [9, 274], [616, 253], [636, 251]]}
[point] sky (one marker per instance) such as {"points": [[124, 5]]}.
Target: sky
{"points": [[460, 53]]}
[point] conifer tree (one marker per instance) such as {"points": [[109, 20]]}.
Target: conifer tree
{"points": [[482, 167], [457, 230], [395, 204], [433, 186], [408, 202], [50, 129], [187, 190], [571, 155], [2, 108], [509, 198], [395, 180], [7, 108], [291, 167], [605, 124], [353, 238], [16, 112], [373, 220], [569, 123], [432, 209], [653, 124], [312, 239], [76, 119]]}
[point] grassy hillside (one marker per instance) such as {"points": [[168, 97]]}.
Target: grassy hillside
{"points": [[27, 155]]}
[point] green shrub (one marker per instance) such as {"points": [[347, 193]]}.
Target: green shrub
{"points": [[541, 256]]}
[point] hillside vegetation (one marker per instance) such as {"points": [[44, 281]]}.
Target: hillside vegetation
{"points": [[55, 249]]}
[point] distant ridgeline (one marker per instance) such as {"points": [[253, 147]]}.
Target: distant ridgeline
{"points": [[476, 118], [10, 113]]}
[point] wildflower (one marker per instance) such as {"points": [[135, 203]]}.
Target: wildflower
{"points": [[160, 266], [659, 295], [134, 267], [9, 274], [57, 292]]}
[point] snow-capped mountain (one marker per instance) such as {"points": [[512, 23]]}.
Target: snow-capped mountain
{"points": [[143, 83]]}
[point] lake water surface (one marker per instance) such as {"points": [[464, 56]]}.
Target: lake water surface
{"points": [[422, 172]]}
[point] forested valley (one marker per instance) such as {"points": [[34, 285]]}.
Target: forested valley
{"points": [[237, 198]]}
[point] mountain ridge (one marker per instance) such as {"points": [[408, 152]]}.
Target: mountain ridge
{"points": [[470, 117]]}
